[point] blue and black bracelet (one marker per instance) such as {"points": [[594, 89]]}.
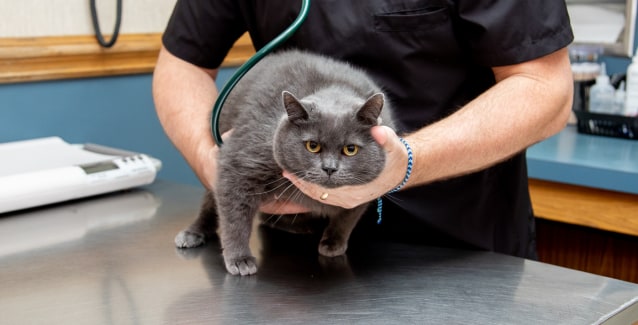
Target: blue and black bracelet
{"points": [[408, 172]]}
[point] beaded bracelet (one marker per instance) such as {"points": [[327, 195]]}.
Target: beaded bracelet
{"points": [[408, 172]]}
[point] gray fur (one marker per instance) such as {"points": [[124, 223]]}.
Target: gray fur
{"points": [[285, 100]]}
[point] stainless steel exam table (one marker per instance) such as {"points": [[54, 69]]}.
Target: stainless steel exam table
{"points": [[111, 260]]}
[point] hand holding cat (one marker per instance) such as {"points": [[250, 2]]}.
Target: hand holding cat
{"points": [[351, 196], [209, 164], [345, 196]]}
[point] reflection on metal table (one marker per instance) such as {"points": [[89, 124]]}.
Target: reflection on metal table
{"points": [[111, 259]]}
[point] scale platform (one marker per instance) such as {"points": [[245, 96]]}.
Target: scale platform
{"points": [[49, 170]]}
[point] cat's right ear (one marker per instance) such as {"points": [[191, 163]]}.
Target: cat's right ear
{"points": [[294, 108], [370, 111]]}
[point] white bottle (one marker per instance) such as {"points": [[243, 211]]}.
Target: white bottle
{"points": [[631, 102], [601, 94], [619, 99]]}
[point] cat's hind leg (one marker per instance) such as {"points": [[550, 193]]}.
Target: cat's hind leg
{"points": [[334, 241], [203, 228]]}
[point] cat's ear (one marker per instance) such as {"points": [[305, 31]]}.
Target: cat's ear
{"points": [[370, 111], [296, 111]]}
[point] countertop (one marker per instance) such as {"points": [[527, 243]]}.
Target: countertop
{"points": [[586, 160], [111, 260]]}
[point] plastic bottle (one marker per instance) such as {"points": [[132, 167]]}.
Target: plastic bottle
{"points": [[602, 93], [619, 99], [584, 74], [631, 102]]}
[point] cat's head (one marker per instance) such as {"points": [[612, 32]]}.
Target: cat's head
{"points": [[325, 138]]}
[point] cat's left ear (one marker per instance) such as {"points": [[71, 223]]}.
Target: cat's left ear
{"points": [[370, 111], [296, 111]]}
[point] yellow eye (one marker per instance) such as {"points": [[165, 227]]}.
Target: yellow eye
{"points": [[313, 146], [350, 150]]}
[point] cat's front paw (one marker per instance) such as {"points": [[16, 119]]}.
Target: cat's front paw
{"points": [[332, 248], [246, 265], [189, 239]]}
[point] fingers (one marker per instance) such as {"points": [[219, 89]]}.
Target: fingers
{"points": [[386, 138], [380, 134], [312, 190], [282, 207], [208, 169], [397, 153], [346, 197], [226, 135]]}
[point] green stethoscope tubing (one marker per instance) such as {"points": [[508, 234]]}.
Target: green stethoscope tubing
{"points": [[241, 71]]}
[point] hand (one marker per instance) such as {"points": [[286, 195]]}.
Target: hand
{"points": [[282, 207], [352, 196], [208, 170]]}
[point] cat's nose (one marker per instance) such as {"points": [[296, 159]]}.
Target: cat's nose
{"points": [[329, 170]]}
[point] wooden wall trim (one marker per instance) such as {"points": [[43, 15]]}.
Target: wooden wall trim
{"points": [[49, 58], [583, 206]]}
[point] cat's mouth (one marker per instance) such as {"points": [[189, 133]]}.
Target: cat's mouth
{"points": [[334, 180]]}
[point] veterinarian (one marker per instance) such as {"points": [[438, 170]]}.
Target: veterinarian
{"points": [[475, 83]]}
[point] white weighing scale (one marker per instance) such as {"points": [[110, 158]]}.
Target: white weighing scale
{"points": [[50, 170]]}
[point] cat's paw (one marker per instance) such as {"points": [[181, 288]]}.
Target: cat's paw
{"points": [[332, 248], [246, 265], [188, 239]]}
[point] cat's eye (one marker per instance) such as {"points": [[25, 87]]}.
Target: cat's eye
{"points": [[350, 150], [313, 147]]}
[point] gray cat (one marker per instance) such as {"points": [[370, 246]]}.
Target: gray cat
{"points": [[307, 114]]}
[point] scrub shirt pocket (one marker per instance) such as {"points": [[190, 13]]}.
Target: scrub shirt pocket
{"points": [[411, 20], [425, 29]]}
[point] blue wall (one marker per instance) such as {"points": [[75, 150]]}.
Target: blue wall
{"points": [[112, 111], [616, 65]]}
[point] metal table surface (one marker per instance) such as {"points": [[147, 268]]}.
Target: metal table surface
{"points": [[111, 260]]}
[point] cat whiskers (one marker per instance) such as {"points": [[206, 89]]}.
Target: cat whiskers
{"points": [[296, 194], [283, 180], [278, 196], [290, 185], [272, 216], [359, 180], [272, 189], [392, 198], [290, 198]]}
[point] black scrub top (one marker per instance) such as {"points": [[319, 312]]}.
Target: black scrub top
{"points": [[431, 57]]}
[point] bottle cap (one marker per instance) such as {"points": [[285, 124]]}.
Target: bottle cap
{"points": [[603, 78]]}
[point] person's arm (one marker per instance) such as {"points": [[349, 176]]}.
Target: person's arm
{"points": [[184, 95], [530, 102]]}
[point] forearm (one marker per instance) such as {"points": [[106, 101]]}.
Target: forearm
{"points": [[530, 102], [184, 95], [524, 107]]}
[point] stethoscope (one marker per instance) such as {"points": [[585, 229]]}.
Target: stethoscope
{"points": [[241, 71], [96, 24], [234, 79]]}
